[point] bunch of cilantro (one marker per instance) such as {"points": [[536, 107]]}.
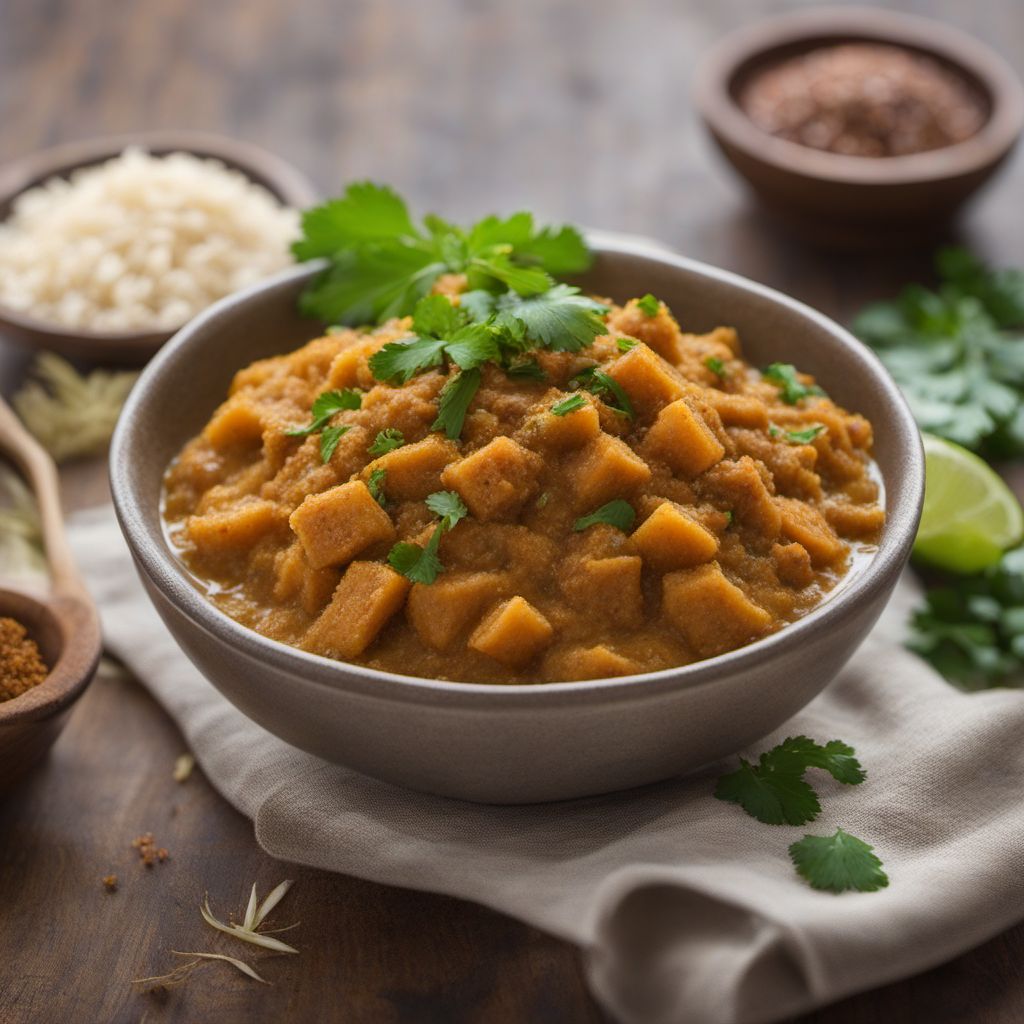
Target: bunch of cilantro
{"points": [[958, 352]]}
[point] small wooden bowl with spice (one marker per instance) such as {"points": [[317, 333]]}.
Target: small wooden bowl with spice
{"points": [[860, 126], [49, 644]]}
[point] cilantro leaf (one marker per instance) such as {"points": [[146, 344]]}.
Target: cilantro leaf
{"points": [[421, 565], [387, 440], [326, 404], [454, 402], [805, 436], [474, 345], [435, 316], [558, 250], [568, 405], [560, 319], [649, 305], [526, 368], [798, 753], [399, 361], [774, 797], [329, 438], [375, 485], [522, 280], [449, 506], [715, 365], [625, 344], [607, 388], [838, 863], [793, 390], [617, 513], [971, 629]]}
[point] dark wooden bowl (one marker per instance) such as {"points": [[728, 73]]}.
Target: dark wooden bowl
{"points": [[849, 200], [131, 348]]}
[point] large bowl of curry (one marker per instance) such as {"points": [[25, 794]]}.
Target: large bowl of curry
{"points": [[638, 560]]}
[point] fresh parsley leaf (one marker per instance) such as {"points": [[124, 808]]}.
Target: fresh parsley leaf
{"points": [[399, 361], [387, 440], [375, 485], [474, 345], [560, 319], [649, 305], [793, 390], [329, 438], [568, 405], [449, 506], [958, 352], [382, 263], [838, 863], [805, 436], [715, 365], [625, 344], [774, 790], [617, 513], [776, 798], [421, 565], [454, 402], [971, 629], [435, 316], [327, 403], [607, 388]]}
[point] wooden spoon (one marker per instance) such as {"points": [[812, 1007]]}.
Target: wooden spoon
{"points": [[63, 623]]}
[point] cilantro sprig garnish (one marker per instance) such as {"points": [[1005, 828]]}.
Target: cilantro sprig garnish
{"points": [[971, 629], [649, 305], [568, 405], [958, 352], [381, 262], [792, 390], [716, 366], [838, 863], [805, 436], [421, 564], [453, 403], [775, 792], [375, 485], [387, 440], [608, 389], [617, 513], [324, 408]]}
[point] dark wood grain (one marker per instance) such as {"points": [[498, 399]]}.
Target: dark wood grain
{"points": [[577, 109]]}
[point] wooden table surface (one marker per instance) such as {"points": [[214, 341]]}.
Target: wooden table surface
{"points": [[578, 110]]}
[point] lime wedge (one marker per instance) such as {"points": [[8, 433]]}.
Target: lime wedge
{"points": [[970, 516]]}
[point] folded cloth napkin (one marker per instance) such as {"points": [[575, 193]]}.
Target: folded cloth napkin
{"points": [[685, 907]]}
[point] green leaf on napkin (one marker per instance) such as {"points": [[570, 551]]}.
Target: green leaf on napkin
{"points": [[838, 863]]}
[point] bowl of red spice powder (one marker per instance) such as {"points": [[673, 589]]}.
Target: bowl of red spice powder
{"points": [[858, 125]]}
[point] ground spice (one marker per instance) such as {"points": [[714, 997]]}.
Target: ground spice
{"points": [[149, 852], [864, 99], [21, 664], [110, 883]]}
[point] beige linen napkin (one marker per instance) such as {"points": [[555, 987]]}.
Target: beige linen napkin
{"points": [[686, 908]]}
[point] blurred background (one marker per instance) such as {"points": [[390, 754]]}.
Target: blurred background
{"points": [[578, 109]]}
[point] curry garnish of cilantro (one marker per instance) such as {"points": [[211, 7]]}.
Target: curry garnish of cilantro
{"points": [[375, 485], [381, 264], [649, 305], [605, 387], [775, 792], [715, 365], [617, 513], [387, 440], [421, 564], [326, 405], [957, 352], [792, 390], [568, 405]]}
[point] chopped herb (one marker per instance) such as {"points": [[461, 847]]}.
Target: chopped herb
{"points": [[729, 517], [560, 319], [421, 564], [972, 628], [649, 305], [326, 405], [386, 441], [626, 344], [838, 863], [382, 263], [375, 485], [716, 366], [399, 361], [774, 790], [617, 513], [568, 405], [329, 438], [958, 352], [454, 402], [792, 388], [543, 500], [807, 435], [528, 368], [608, 389]]}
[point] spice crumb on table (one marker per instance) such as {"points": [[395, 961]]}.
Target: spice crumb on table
{"points": [[149, 852]]}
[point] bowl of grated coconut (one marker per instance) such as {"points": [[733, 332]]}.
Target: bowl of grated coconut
{"points": [[108, 246]]}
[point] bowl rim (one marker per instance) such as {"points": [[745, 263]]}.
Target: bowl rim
{"points": [[282, 180], [723, 116], [164, 572]]}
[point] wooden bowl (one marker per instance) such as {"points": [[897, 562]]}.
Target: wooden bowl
{"points": [[131, 348], [846, 199]]}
